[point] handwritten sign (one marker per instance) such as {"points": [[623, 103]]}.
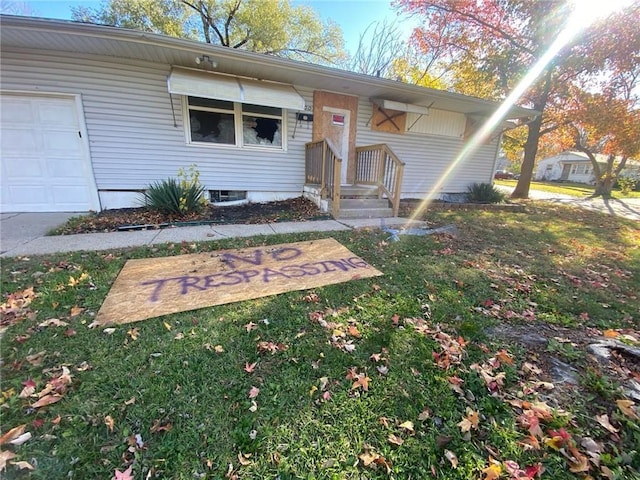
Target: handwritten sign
{"points": [[152, 287]]}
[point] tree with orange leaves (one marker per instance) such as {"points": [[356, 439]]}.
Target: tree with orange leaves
{"points": [[488, 46]]}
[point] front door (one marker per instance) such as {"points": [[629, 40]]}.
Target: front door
{"points": [[335, 120]]}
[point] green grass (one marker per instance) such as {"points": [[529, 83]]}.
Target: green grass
{"points": [[579, 190], [564, 267]]}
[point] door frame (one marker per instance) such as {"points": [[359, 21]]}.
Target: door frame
{"points": [[344, 154], [342, 104]]}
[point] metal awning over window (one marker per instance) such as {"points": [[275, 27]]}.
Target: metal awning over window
{"points": [[400, 106], [234, 89]]}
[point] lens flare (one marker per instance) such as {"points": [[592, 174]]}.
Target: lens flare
{"points": [[584, 13]]}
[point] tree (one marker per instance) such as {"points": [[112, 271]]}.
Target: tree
{"points": [[382, 52], [602, 124], [489, 46], [273, 27]]}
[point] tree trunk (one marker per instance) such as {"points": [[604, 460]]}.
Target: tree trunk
{"points": [[533, 137], [528, 162], [603, 187]]}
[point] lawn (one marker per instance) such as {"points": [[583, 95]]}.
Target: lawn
{"points": [[574, 189], [426, 372]]}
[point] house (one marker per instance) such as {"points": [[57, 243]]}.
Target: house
{"points": [[91, 115], [576, 167]]}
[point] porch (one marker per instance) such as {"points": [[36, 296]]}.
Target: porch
{"points": [[376, 187]]}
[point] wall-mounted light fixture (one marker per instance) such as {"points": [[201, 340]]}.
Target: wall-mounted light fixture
{"points": [[206, 61]]}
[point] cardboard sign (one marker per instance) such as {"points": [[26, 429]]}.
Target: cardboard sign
{"points": [[152, 287]]}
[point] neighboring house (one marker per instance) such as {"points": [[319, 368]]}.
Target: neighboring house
{"points": [[91, 115], [576, 167]]}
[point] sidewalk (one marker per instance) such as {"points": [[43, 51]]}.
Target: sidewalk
{"points": [[40, 244]]}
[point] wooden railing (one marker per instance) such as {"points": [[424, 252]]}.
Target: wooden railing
{"points": [[378, 165], [323, 167]]}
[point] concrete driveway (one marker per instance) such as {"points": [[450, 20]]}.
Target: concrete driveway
{"points": [[19, 228], [626, 208]]}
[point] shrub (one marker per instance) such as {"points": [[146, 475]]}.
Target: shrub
{"points": [[484, 193], [626, 185], [177, 196]]}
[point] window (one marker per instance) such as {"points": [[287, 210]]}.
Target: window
{"points": [[219, 196], [217, 121]]}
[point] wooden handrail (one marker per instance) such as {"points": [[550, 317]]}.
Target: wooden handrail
{"points": [[378, 165], [323, 167]]}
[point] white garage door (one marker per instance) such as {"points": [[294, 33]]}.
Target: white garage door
{"points": [[45, 161]]}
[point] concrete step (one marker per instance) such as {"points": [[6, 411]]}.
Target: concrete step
{"points": [[363, 203], [365, 213]]}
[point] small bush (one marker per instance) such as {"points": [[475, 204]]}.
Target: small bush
{"points": [[177, 196], [626, 185], [484, 193]]}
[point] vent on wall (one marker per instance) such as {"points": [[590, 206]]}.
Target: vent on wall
{"points": [[219, 196]]}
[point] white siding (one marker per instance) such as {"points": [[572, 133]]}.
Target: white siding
{"points": [[132, 137], [427, 158]]}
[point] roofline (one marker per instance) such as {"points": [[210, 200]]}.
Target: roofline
{"points": [[104, 31]]}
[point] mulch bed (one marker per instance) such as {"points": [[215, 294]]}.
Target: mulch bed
{"points": [[293, 210]]}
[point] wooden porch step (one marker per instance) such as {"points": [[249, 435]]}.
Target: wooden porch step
{"points": [[358, 191], [365, 213], [364, 203]]}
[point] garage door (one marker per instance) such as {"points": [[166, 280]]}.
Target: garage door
{"points": [[45, 161]]}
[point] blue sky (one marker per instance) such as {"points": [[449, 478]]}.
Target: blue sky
{"points": [[352, 15]]}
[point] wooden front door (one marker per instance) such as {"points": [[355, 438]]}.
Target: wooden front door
{"points": [[335, 119]]}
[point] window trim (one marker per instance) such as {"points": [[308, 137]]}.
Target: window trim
{"points": [[238, 115]]}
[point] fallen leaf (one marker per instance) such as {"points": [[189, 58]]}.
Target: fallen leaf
{"points": [[326, 396], [22, 465], [367, 458], [167, 326], [249, 367], [159, 426], [218, 349], [5, 456], [243, 458], [382, 369], [362, 381], [449, 455], [133, 333], [353, 331], [492, 472], [579, 462], [627, 407], [36, 359], [76, 310], [25, 437], [108, 331], [395, 440], [253, 392], [47, 400], [470, 421], [108, 421], [131, 401], [426, 413], [250, 326], [504, 357], [254, 406], [53, 322], [13, 434], [126, 475], [408, 426], [611, 333], [604, 421]]}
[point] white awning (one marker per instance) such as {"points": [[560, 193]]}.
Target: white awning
{"points": [[400, 106], [234, 89]]}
